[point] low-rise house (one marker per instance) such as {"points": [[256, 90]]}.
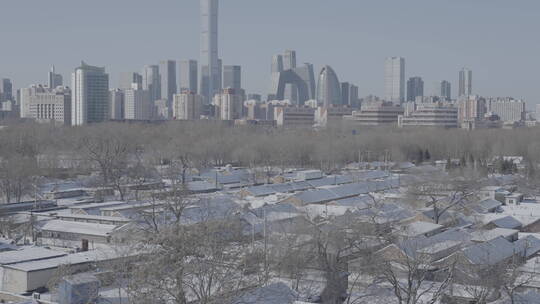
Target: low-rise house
{"points": [[419, 228], [94, 208], [31, 275], [493, 192], [506, 222], [481, 236], [488, 205], [69, 234], [96, 219], [513, 199]]}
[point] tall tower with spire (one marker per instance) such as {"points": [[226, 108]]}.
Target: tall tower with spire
{"points": [[210, 83], [55, 80]]}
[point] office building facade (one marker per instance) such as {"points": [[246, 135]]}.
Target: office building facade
{"points": [[232, 77], [465, 82], [54, 79], [137, 104], [210, 70], [415, 88], [90, 95], [328, 88], [228, 105], [187, 106], [116, 104], [188, 76], [151, 81], [394, 79]]}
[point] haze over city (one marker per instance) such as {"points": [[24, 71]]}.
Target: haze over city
{"points": [[493, 38], [269, 152]]}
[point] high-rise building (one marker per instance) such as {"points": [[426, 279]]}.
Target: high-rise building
{"points": [[465, 82], [210, 73], [54, 80], [127, 79], [232, 77], [188, 76], [45, 104], [328, 88], [151, 81], [394, 79], [6, 90], [187, 106], [116, 104], [303, 79], [90, 95], [445, 90], [229, 105], [277, 63], [167, 70], [289, 60], [349, 95], [289, 63], [137, 104], [471, 108], [415, 88]]}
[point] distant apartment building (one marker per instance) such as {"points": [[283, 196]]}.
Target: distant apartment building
{"points": [[445, 90], [116, 104], [54, 79], [228, 105], [376, 114], [349, 95], [471, 108], [6, 89], [294, 116], [254, 110], [394, 79], [431, 115], [44, 104], [188, 76], [187, 106], [465, 82], [415, 88], [151, 81], [161, 110], [167, 71], [232, 77], [508, 109], [137, 104]]}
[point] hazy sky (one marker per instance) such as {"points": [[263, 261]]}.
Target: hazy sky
{"points": [[497, 39]]}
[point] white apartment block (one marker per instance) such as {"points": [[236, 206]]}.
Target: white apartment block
{"points": [[187, 106], [228, 105], [508, 109], [44, 104]]}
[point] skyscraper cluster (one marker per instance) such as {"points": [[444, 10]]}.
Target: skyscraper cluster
{"points": [[191, 89]]}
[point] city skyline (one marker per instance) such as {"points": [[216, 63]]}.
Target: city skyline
{"points": [[358, 62]]}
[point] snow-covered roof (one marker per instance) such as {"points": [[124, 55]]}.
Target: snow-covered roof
{"points": [[78, 228]]}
